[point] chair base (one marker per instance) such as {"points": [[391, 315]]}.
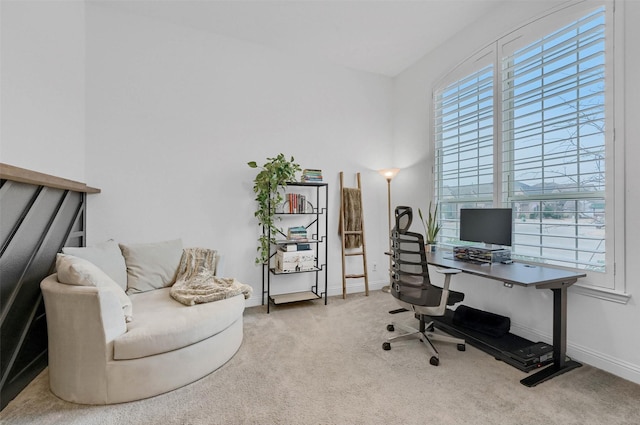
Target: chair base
{"points": [[426, 336]]}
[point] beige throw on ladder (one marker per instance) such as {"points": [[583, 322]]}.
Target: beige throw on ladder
{"points": [[196, 282], [352, 217]]}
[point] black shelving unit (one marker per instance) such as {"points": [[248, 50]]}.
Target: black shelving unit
{"points": [[316, 221]]}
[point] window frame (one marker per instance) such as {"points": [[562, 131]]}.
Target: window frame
{"points": [[611, 284]]}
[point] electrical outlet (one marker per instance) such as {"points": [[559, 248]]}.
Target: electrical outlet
{"points": [[375, 267]]}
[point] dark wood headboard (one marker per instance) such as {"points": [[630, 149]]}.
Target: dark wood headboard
{"points": [[39, 214]]}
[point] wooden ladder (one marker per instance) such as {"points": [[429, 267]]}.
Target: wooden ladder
{"points": [[344, 232]]}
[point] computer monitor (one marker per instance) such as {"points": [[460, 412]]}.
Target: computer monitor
{"points": [[491, 226]]}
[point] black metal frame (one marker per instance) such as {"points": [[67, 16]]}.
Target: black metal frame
{"points": [[557, 280], [319, 238], [37, 221], [560, 363]]}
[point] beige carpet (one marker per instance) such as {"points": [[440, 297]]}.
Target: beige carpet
{"points": [[313, 364]]}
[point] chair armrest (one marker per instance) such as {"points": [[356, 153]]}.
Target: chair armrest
{"points": [[447, 278], [448, 271]]}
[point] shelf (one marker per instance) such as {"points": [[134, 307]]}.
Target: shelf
{"points": [[307, 184], [315, 269], [297, 213], [295, 241], [315, 223], [294, 297]]}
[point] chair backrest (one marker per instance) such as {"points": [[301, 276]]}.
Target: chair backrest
{"points": [[409, 268]]}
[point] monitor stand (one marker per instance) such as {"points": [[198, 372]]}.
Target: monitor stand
{"points": [[491, 247]]}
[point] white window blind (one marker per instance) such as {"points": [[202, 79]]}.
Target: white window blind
{"points": [[536, 143], [553, 137], [464, 147]]}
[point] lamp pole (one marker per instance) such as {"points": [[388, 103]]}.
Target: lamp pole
{"points": [[389, 174]]}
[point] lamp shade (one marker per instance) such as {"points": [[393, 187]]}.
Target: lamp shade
{"points": [[389, 173]]}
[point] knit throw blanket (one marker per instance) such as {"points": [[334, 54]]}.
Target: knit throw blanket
{"points": [[352, 217], [196, 282]]}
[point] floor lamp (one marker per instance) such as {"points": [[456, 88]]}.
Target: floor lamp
{"points": [[389, 174]]}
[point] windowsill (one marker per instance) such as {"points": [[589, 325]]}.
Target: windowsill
{"points": [[601, 293]]}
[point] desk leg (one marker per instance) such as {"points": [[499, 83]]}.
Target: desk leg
{"points": [[560, 365]]}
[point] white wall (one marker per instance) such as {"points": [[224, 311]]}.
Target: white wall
{"points": [[42, 86], [601, 333], [174, 115]]}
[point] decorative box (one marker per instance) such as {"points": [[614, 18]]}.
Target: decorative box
{"points": [[295, 261]]}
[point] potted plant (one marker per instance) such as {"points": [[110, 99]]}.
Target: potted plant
{"points": [[269, 185], [431, 227]]}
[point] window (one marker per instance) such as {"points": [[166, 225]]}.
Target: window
{"points": [[525, 126], [464, 148], [553, 136]]}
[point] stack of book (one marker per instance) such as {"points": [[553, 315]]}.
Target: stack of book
{"points": [[297, 203], [298, 233], [291, 247], [311, 175]]}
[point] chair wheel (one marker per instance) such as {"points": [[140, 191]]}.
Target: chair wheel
{"points": [[434, 361], [462, 347], [386, 346], [390, 328]]}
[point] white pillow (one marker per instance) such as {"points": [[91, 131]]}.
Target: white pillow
{"points": [[106, 256], [78, 271], [151, 265]]}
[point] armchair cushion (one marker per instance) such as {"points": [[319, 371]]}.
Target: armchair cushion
{"points": [[78, 271], [151, 265], [107, 256], [162, 324]]}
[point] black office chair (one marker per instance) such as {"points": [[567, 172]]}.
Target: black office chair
{"points": [[411, 286]]}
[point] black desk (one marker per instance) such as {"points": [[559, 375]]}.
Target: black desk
{"points": [[530, 276]]}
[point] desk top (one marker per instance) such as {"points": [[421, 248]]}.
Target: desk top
{"points": [[515, 273]]}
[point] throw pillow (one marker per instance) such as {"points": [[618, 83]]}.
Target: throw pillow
{"points": [[106, 256], [78, 271], [151, 265]]}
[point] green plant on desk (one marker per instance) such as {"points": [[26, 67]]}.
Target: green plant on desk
{"points": [[431, 226]]}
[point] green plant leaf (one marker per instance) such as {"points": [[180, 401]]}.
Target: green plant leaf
{"points": [[431, 225], [269, 185]]}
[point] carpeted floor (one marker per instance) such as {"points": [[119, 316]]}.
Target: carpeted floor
{"points": [[309, 363]]}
